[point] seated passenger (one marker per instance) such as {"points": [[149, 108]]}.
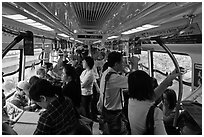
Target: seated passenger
{"points": [[169, 105], [141, 98], [6, 128], [190, 120], [20, 99], [59, 116], [41, 73], [50, 72], [33, 80]]}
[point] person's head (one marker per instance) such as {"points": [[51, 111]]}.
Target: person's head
{"points": [[154, 82], [68, 73], [115, 61], [41, 72], [43, 92], [23, 87], [188, 125], [169, 98], [88, 62], [140, 86], [33, 80], [48, 66]]}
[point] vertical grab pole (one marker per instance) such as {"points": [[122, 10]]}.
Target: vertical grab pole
{"points": [[159, 41]]}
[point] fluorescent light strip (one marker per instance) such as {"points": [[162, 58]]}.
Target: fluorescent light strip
{"points": [[144, 27], [15, 17], [63, 35], [97, 42], [25, 20], [112, 37]]}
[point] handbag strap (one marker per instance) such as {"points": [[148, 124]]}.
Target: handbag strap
{"points": [[150, 121]]}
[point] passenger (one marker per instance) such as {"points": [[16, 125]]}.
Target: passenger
{"points": [[142, 97], [190, 120], [20, 99], [33, 80], [169, 106], [59, 116], [41, 73], [72, 87], [87, 80], [95, 97], [112, 100], [50, 72], [6, 128]]}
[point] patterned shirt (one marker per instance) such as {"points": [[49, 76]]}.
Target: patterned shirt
{"points": [[59, 118]]}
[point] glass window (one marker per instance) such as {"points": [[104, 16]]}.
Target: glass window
{"points": [[10, 63], [163, 63]]}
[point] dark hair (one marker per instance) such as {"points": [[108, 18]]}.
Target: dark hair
{"points": [[140, 86], [70, 71], [105, 66], [90, 62], [171, 98], [45, 88], [33, 80], [154, 82], [48, 65], [114, 57]]}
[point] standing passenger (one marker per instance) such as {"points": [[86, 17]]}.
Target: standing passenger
{"points": [[72, 87], [87, 80], [141, 98]]}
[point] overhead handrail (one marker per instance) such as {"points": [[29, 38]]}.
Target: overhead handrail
{"points": [[159, 41]]}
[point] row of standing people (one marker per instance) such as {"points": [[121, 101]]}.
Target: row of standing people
{"points": [[79, 91]]}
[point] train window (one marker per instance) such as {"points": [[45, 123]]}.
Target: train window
{"points": [[10, 65], [143, 63], [163, 65], [32, 63]]}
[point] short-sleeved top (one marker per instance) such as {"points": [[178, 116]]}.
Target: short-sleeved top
{"points": [[137, 112], [87, 79], [116, 82], [59, 115]]}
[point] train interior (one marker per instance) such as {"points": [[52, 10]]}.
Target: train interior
{"points": [[163, 35]]}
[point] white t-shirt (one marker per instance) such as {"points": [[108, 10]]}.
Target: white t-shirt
{"points": [[87, 79], [137, 112]]}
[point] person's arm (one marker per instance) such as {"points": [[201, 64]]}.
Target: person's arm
{"points": [[43, 127], [159, 128], [165, 84]]}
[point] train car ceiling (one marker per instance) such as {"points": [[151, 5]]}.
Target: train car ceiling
{"points": [[68, 20]]}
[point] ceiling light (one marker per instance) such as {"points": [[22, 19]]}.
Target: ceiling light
{"points": [[97, 42], [27, 21], [15, 17], [112, 37], [63, 35], [144, 27]]}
